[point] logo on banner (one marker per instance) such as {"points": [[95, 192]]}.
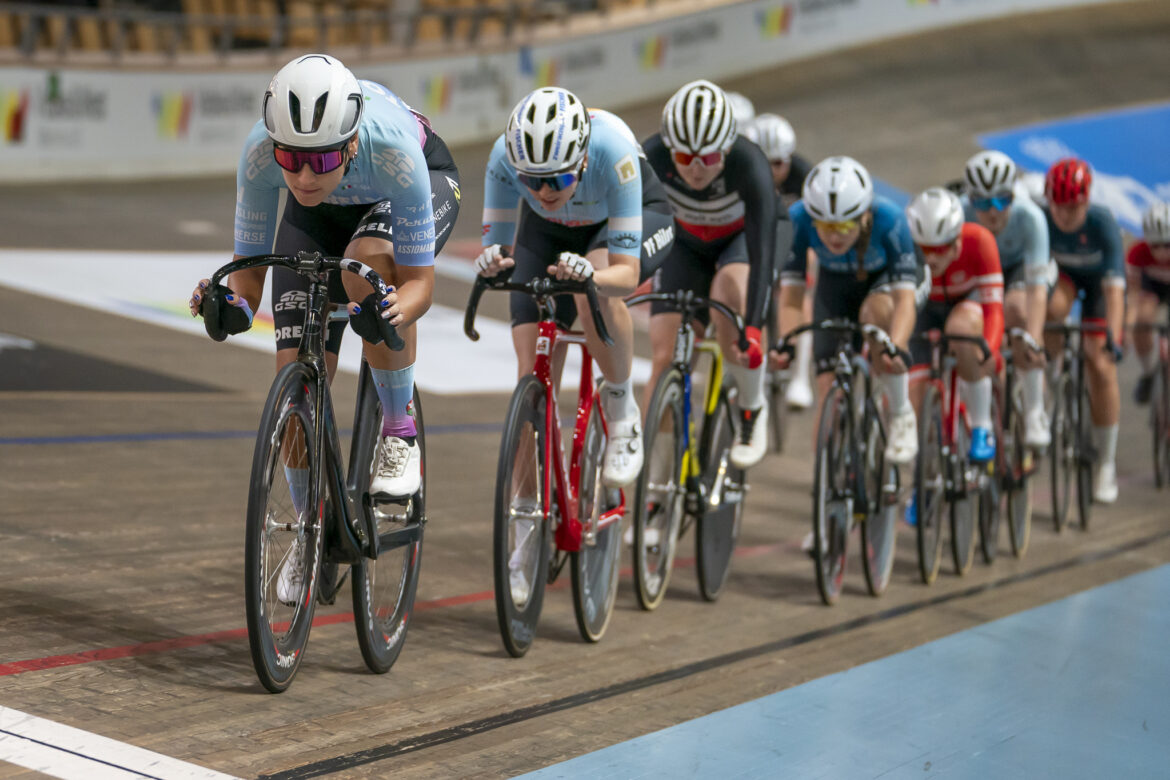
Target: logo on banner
{"points": [[438, 93], [921, 2], [651, 52], [544, 73], [775, 21], [172, 112], [15, 109]]}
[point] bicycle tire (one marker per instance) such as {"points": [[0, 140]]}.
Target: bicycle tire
{"points": [[777, 396], [930, 496], [832, 502], [1086, 458], [1062, 453], [1017, 466], [717, 526], [882, 487], [965, 504], [660, 492], [595, 566], [1158, 425], [518, 612], [384, 589], [278, 632], [990, 495]]}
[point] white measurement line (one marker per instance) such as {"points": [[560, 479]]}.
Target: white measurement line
{"points": [[63, 751]]}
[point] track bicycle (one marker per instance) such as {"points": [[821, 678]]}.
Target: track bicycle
{"points": [[335, 522], [1160, 404], [776, 388], [1073, 453], [544, 515], [945, 478], [852, 483], [1015, 460], [688, 477]]}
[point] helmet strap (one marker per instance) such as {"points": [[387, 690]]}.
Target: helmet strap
{"points": [[862, 245]]}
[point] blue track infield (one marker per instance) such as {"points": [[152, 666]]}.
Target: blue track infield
{"points": [[1079, 688]]}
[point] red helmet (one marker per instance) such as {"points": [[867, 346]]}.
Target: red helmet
{"points": [[1068, 181]]}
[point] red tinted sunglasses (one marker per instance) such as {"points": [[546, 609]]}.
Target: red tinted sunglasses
{"points": [[937, 249], [686, 158], [318, 162]]}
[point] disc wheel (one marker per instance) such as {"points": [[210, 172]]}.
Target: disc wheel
{"points": [[832, 495], [720, 515], [882, 488], [930, 496]]}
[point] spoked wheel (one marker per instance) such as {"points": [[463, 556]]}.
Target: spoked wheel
{"points": [[384, 588], [284, 535], [660, 495], [722, 510], [989, 495], [777, 392], [882, 488], [1085, 458], [1062, 454], [832, 495], [965, 504], [1016, 464], [930, 494], [595, 566], [520, 531]]}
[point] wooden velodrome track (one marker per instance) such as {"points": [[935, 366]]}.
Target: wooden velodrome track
{"points": [[122, 552]]}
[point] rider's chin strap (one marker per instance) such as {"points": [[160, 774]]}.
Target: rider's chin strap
{"points": [[862, 245]]}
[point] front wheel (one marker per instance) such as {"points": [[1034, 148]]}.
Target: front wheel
{"points": [[930, 493], [965, 501], [722, 507], [989, 495], [1016, 463], [1062, 454], [284, 534], [832, 495], [882, 488], [1085, 458]]}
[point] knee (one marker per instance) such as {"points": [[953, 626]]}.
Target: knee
{"points": [[877, 310]]}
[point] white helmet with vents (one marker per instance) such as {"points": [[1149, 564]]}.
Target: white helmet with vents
{"points": [[313, 102], [989, 173], [698, 119], [838, 189], [548, 132], [775, 136], [935, 216], [742, 107], [1156, 224]]}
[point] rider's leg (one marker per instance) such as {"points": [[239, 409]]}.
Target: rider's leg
{"points": [[1018, 303], [1059, 305], [1143, 344], [729, 287], [902, 445], [966, 319]]}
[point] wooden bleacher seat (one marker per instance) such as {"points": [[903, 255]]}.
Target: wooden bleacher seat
{"points": [[197, 34]]}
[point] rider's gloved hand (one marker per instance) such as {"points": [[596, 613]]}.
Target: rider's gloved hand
{"points": [[364, 317], [1116, 352], [572, 267], [755, 351], [233, 314], [493, 260]]}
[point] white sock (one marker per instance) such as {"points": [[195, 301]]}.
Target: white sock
{"points": [[978, 398], [750, 382], [803, 358], [618, 399], [298, 487], [897, 388], [1148, 360], [1033, 389], [1106, 438]]}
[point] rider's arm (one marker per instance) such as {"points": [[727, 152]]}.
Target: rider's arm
{"points": [[759, 228], [1113, 280], [258, 185], [1037, 256], [501, 198], [792, 276], [989, 288], [903, 263], [623, 176]]}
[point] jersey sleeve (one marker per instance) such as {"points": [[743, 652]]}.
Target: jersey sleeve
{"points": [[400, 175], [989, 288], [258, 185], [759, 228], [1134, 262], [796, 265], [903, 260], [623, 194], [1111, 247], [501, 198], [1037, 253]]}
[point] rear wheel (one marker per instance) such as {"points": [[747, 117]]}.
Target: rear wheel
{"points": [[1016, 462], [930, 495], [719, 517], [284, 535], [832, 495], [965, 501], [882, 488], [520, 534], [777, 392], [595, 566], [1062, 454], [1086, 457], [989, 495], [660, 495]]}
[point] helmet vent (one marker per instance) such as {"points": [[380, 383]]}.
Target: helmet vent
{"points": [[548, 140], [319, 111], [294, 110]]}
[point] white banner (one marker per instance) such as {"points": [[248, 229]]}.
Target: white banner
{"points": [[77, 124]]}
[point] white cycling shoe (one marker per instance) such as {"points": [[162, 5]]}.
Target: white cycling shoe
{"points": [[623, 454], [1105, 491], [1037, 433], [292, 575], [753, 438], [800, 394], [902, 445], [399, 469]]}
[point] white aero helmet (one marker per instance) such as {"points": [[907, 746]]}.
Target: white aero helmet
{"points": [[935, 216], [548, 132], [838, 189], [775, 136], [742, 107], [313, 102], [989, 173], [698, 119], [1156, 224]]}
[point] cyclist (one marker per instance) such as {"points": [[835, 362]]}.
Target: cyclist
{"points": [[588, 199], [720, 188], [742, 107], [966, 298], [1086, 244], [1021, 235], [776, 137], [867, 272], [1149, 266]]}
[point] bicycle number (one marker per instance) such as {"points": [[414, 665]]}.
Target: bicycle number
{"points": [[542, 345]]}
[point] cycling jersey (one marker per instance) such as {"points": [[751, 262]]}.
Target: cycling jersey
{"points": [[1023, 242], [889, 248], [1089, 258], [1147, 272], [740, 201], [389, 166]]}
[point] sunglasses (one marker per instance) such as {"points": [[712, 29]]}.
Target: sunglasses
{"points": [[847, 226], [997, 202], [319, 162], [935, 249], [1158, 245], [684, 159], [556, 182]]}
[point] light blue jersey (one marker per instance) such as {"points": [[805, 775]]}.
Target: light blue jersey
{"points": [[389, 166], [610, 190], [1023, 240]]}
